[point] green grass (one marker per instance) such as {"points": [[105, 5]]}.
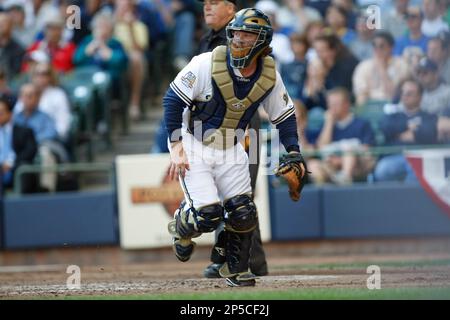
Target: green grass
{"points": [[364, 265], [413, 293], [401, 293]]}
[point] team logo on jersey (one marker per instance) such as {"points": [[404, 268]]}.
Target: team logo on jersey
{"points": [[285, 98], [188, 80], [238, 106], [242, 79]]}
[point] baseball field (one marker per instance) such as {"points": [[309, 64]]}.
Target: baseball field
{"points": [[408, 269]]}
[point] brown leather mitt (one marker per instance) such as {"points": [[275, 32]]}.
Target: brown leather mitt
{"points": [[293, 169]]}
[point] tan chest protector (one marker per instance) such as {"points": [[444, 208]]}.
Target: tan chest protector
{"points": [[225, 136]]}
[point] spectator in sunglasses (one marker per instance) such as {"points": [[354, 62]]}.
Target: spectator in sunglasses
{"points": [[377, 78], [414, 37]]}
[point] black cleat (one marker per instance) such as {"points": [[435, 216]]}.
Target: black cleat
{"points": [[212, 271], [183, 248], [259, 271], [247, 280]]}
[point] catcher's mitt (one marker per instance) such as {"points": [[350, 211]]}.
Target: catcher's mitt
{"points": [[293, 168]]}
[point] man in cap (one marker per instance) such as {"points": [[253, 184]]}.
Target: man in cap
{"points": [[217, 14], [438, 50], [436, 94]]}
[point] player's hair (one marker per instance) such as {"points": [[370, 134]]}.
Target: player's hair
{"points": [[267, 51]]}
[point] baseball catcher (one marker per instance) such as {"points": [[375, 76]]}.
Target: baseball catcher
{"points": [[206, 111]]}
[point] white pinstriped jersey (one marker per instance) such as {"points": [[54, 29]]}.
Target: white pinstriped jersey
{"points": [[194, 83]]}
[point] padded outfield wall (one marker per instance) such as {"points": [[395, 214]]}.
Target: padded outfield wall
{"points": [[358, 211]]}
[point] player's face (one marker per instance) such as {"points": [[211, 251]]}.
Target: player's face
{"points": [[242, 43]]}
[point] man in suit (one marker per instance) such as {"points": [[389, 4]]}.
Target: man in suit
{"points": [[17, 146], [217, 15]]}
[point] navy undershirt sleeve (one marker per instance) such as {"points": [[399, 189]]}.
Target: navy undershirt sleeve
{"points": [[173, 114], [288, 134]]}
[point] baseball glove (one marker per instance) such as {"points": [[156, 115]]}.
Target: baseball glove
{"points": [[293, 169]]}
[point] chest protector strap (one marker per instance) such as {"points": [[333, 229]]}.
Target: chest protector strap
{"points": [[224, 137]]}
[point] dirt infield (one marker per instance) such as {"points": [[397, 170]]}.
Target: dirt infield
{"points": [[287, 271]]}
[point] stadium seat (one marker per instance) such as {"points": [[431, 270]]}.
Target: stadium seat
{"points": [[101, 83], [314, 123], [81, 96], [373, 111], [315, 118]]}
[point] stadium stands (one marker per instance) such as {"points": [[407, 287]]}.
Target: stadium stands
{"points": [[99, 92]]}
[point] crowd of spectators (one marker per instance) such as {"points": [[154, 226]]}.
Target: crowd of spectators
{"points": [[45, 41], [333, 60], [368, 83]]}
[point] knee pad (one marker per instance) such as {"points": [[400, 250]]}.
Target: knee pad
{"points": [[242, 214], [209, 218], [191, 223]]}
